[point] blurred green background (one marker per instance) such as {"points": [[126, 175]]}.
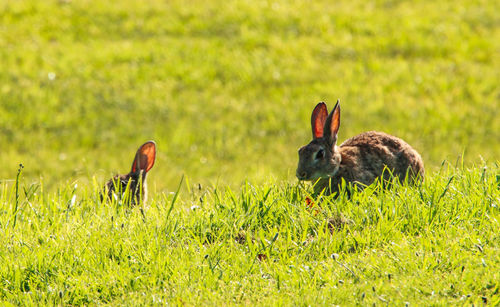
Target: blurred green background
{"points": [[226, 87]]}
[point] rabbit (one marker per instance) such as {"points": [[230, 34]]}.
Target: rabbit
{"points": [[143, 162], [359, 161]]}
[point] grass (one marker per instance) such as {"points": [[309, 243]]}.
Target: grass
{"points": [[434, 244], [226, 90]]}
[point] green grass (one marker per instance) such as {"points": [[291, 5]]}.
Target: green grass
{"points": [[429, 245], [226, 88]]}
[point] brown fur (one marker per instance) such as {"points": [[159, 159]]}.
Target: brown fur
{"points": [[138, 189], [359, 161]]}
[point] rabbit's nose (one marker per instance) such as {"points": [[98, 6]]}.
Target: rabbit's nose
{"points": [[301, 175]]}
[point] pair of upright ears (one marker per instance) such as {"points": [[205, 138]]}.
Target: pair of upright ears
{"points": [[144, 158], [324, 125]]}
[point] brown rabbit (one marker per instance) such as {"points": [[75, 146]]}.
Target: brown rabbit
{"points": [[143, 162], [359, 161]]}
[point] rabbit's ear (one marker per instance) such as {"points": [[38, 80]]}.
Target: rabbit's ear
{"points": [[332, 125], [145, 157], [318, 119]]}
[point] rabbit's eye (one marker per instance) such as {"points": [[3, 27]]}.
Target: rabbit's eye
{"points": [[320, 154]]}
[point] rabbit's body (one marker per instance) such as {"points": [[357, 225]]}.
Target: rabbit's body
{"points": [[358, 161], [136, 179], [137, 187], [365, 156]]}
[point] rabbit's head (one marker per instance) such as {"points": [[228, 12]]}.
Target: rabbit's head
{"points": [[136, 179], [321, 158]]}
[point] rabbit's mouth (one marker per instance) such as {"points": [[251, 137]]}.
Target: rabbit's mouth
{"points": [[316, 175], [304, 176], [301, 176]]}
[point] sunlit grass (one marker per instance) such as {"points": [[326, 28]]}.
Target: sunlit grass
{"points": [[226, 90], [437, 243]]}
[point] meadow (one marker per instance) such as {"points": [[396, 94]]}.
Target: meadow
{"points": [[226, 88]]}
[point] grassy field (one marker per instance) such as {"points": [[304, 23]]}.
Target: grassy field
{"points": [[226, 88], [430, 245]]}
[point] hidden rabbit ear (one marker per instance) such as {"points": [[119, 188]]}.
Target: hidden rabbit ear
{"points": [[145, 157]]}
